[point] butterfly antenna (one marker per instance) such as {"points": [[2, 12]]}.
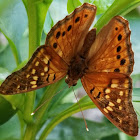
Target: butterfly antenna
{"points": [[47, 101], [81, 110]]}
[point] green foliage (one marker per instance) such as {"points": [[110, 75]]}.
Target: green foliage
{"points": [[52, 117], [72, 4]]}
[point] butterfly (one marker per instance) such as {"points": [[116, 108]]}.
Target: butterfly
{"points": [[103, 62]]}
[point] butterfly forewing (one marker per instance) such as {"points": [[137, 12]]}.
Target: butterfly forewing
{"points": [[113, 48], [44, 68], [112, 93], [68, 35]]}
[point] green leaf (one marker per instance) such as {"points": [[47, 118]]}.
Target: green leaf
{"points": [[85, 103], [9, 104], [61, 98], [53, 112], [136, 102], [134, 21], [102, 5], [126, 137], [17, 101], [88, 1], [48, 94], [72, 4], [3, 73], [112, 137], [7, 59], [3, 42], [48, 23], [36, 11], [114, 9], [6, 110], [136, 95], [130, 7], [137, 109], [74, 129], [56, 11], [13, 15], [136, 77], [10, 130]]}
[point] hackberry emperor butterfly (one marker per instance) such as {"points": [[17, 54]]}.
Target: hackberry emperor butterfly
{"points": [[103, 63]]}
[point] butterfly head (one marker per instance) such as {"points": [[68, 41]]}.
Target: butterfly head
{"points": [[70, 81]]}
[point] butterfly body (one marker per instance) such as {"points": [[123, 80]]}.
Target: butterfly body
{"points": [[103, 62], [76, 70], [79, 64]]}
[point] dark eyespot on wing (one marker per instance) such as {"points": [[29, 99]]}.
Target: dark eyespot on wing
{"points": [[118, 48], [116, 28], [86, 15], [69, 27], [118, 56], [117, 70], [77, 19], [63, 33], [119, 37], [122, 62], [92, 90], [55, 45], [58, 34]]}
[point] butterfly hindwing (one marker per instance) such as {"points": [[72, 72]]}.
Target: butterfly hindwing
{"points": [[44, 68], [67, 36], [112, 48], [112, 94]]}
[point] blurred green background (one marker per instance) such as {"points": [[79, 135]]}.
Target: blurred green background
{"points": [[23, 27]]}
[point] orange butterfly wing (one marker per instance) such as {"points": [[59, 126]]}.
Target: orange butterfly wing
{"points": [[49, 63], [107, 81], [111, 51], [112, 94], [44, 68], [68, 35]]}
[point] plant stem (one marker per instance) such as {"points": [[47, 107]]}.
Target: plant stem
{"points": [[29, 132], [36, 11], [39, 115]]}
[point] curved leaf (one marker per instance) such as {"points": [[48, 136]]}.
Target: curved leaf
{"points": [[6, 110], [3, 73], [85, 103], [102, 5], [72, 4], [10, 130], [74, 129], [114, 9], [13, 15]]}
